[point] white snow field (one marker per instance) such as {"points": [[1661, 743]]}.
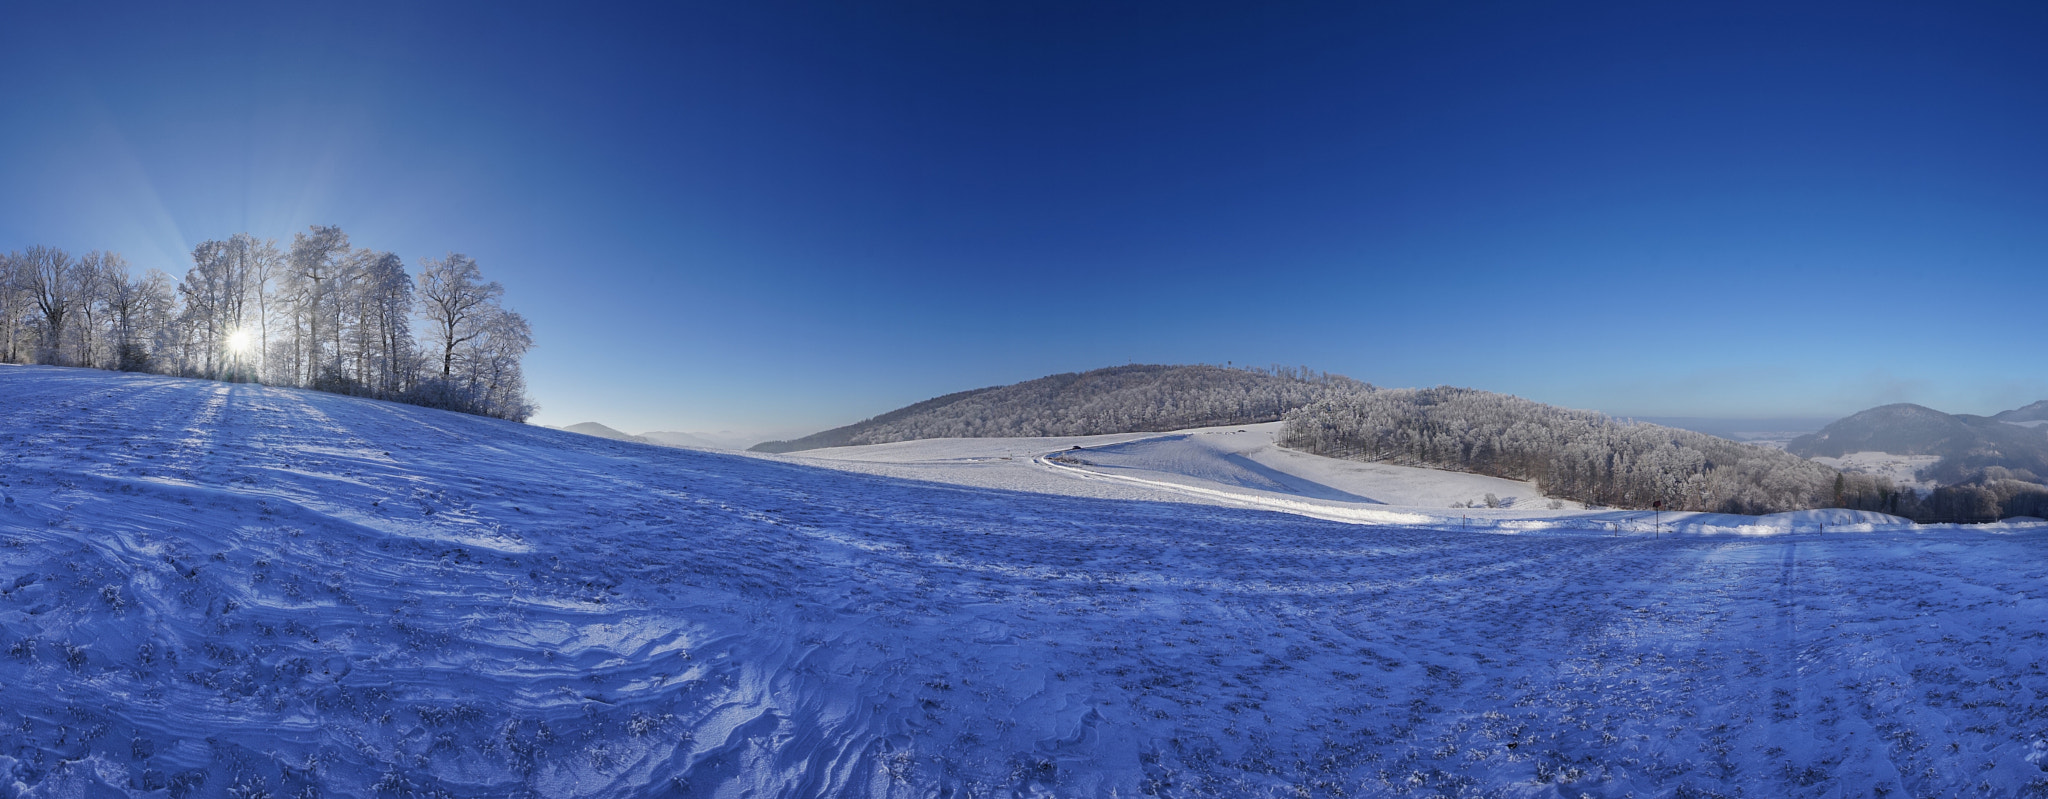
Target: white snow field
{"points": [[1241, 460], [231, 590]]}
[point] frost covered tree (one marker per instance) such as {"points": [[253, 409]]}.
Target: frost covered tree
{"points": [[137, 310], [377, 312], [91, 276], [477, 344], [318, 260], [457, 302], [208, 292], [323, 315], [1571, 454], [50, 276], [257, 264], [490, 364], [17, 311]]}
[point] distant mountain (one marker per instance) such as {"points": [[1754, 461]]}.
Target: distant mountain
{"points": [[1901, 429], [2037, 412], [664, 438], [601, 431], [1120, 399], [1966, 444], [721, 440]]}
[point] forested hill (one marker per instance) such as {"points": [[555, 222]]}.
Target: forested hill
{"points": [[1119, 399], [1900, 429], [1580, 455]]}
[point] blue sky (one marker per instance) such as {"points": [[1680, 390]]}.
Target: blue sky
{"points": [[784, 217]]}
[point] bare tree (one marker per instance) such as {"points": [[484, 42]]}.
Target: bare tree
{"points": [[317, 259], [16, 309], [53, 286], [456, 301], [135, 308], [90, 279], [345, 318], [209, 292], [376, 312], [257, 264], [492, 363]]}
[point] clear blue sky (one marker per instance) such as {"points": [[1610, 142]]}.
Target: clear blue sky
{"points": [[786, 217]]}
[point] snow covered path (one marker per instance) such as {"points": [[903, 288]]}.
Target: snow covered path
{"points": [[213, 590]]}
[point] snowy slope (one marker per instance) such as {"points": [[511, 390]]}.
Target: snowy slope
{"points": [[1234, 458], [216, 590]]}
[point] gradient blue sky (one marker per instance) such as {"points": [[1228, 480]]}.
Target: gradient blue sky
{"points": [[784, 217]]}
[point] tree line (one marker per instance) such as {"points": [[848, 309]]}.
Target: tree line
{"points": [[1988, 494], [1569, 454], [318, 314], [1595, 459]]}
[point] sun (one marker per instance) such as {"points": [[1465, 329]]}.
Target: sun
{"points": [[242, 342]]}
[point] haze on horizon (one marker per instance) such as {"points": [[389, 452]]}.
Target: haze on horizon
{"points": [[782, 217]]}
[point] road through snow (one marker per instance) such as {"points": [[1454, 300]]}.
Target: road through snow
{"points": [[232, 590]]}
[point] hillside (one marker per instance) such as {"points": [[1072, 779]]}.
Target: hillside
{"points": [[1966, 445], [2037, 412], [233, 590], [1120, 399]]}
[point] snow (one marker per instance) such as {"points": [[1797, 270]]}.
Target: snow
{"points": [[1240, 461], [214, 590]]}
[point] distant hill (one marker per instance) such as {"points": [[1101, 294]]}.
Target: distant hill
{"points": [[601, 431], [1900, 429], [1966, 444], [1119, 399], [673, 439], [664, 438], [2037, 412], [723, 439]]}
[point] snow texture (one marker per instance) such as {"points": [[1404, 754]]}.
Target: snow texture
{"points": [[232, 590]]}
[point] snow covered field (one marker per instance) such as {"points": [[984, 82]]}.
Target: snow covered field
{"points": [[231, 590]]}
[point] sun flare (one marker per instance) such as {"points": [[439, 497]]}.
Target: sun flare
{"points": [[242, 342]]}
